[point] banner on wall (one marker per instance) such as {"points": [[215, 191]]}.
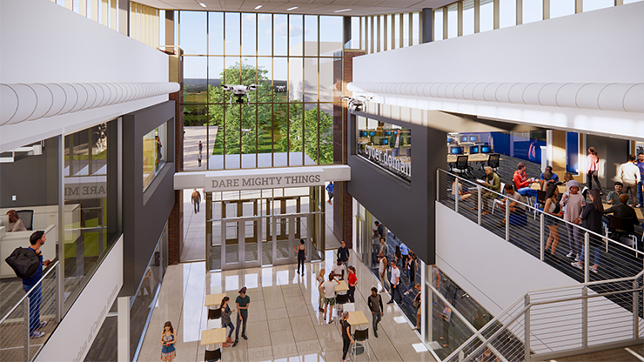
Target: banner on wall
{"points": [[265, 179]]}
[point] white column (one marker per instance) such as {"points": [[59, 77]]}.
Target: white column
{"points": [[423, 301], [123, 329]]}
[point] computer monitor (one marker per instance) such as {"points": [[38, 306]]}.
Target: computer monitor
{"points": [[474, 149], [388, 133], [475, 138], [384, 141], [465, 138], [372, 133], [456, 150], [486, 149], [363, 134]]}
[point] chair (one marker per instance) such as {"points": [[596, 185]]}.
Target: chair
{"points": [[494, 161], [340, 300], [213, 356], [541, 200], [349, 307], [624, 230], [462, 167], [361, 336], [27, 217], [214, 318], [497, 201]]}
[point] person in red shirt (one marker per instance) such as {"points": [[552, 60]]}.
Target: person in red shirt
{"points": [[521, 181], [353, 280]]}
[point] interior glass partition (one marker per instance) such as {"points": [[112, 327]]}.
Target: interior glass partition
{"points": [[253, 228]]}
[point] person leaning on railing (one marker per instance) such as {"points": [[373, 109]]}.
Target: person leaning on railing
{"points": [[491, 181], [591, 218], [553, 209], [516, 206]]}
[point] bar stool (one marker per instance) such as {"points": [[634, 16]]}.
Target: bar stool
{"points": [[361, 336], [213, 356]]}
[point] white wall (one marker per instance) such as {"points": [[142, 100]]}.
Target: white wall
{"points": [[603, 46], [494, 272], [45, 43]]}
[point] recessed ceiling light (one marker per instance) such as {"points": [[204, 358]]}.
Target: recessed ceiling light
{"points": [[258, 7], [293, 8], [202, 4], [341, 11]]}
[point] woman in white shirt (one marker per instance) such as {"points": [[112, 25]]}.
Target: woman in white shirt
{"points": [[15, 222]]}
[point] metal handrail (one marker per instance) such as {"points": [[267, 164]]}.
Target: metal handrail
{"points": [[533, 209], [478, 334], [50, 268]]}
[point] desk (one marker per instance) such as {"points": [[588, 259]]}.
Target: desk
{"points": [[536, 186], [213, 336], [477, 157], [638, 211], [213, 300], [342, 286]]}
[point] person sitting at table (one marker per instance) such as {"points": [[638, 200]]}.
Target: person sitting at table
{"points": [[623, 211], [458, 190], [514, 198], [394, 143], [549, 176], [15, 222], [613, 196], [329, 296], [491, 181], [522, 182], [338, 270]]}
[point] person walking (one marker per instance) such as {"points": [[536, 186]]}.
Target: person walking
{"points": [[374, 301], [417, 303], [352, 281], [301, 256], [382, 271], [320, 280], [200, 145], [329, 190], [591, 219], [343, 253], [640, 185], [413, 269], [243, 302], [446, 316], [225, 320], [592, 168], [168, 339], [37, 240], [347, 340], [196, 200], [329, 296], [199, 159], [552, 208], [574, 204], [395, 280]]}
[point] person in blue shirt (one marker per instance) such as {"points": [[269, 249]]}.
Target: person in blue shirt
{"points": [[640, 185], [37, 240], [404, 251], [554, 178], [329, 189]]}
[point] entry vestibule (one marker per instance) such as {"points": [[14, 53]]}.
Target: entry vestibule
{"points": [[253, 228]]}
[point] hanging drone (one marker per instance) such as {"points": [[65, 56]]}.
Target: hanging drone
{"points": [[356, 104], [239, 91]]}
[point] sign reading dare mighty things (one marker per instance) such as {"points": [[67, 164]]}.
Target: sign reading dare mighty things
{"points": [[265, 181]]}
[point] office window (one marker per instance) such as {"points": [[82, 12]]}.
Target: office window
{"points": [[397, 31], [415, 21], [405, 30], [561, 8], [296, 34], [264, 34], [215, 29], [249, 34], [507, 13], [385, 145], [468, 17], [486, 22], [192, 30], [452, 21], [355, 32], [154, 153], [382, 37], [590, 5], [438, 24], [532, 11]]}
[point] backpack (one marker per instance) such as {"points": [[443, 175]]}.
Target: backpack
{"points": [[24, 262]]}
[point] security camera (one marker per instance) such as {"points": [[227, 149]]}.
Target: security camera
{"points": [[356, 104], [239, 91]]}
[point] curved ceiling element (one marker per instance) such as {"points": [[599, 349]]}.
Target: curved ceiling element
{"points": [[27, 102], [622, 97]]}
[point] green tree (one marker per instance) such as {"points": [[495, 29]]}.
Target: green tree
{"points": [[262, 126]]}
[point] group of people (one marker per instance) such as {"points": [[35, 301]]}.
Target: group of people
{"points": [[575, 206]]}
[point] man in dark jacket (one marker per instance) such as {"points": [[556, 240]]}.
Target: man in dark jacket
{"points": [[623, 211], [374, 301], [37, 239]]}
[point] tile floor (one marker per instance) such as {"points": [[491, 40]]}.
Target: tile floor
{"points": [[284, 323]]}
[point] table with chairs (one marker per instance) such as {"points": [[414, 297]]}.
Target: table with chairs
{"points": [[358, 318], [214, 334], [460, 164]]}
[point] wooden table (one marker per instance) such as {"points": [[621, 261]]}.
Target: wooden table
{"points": [[213, 336], [638, 211], [537, 185], [358, 318], [213, 300], [342, 286]]}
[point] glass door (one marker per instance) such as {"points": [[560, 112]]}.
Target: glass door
{"points": [[241, 245], [283, 240]]}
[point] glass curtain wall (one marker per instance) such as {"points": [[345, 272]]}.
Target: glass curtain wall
{"points": [[388, 31], [505, 15], [259, 89]]}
